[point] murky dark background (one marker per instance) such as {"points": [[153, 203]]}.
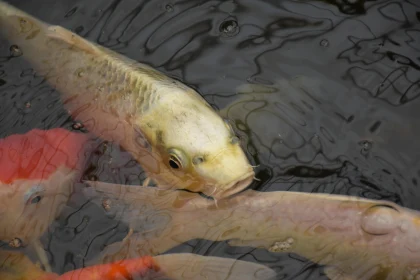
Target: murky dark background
{"points": [[350, 127]]}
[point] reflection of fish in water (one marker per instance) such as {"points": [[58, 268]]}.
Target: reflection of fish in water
{"points": [[16, 266], [354, 237], [37, 172], [175, 135]]}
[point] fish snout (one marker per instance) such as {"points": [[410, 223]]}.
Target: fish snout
{"points": [[235, 187]]}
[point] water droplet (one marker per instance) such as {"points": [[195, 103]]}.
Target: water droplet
{"points": [[229, 27], [28, 104], [77, 126], [169, 8], [324, 43], [15, 51]]}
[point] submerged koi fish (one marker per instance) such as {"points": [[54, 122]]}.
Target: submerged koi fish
{"points": [[354, 238], [37, 172], [176, 136], [16, 266]]}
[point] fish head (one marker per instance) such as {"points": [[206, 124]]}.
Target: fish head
{"points": [[199, 150], [37, 171], [32, 205]]}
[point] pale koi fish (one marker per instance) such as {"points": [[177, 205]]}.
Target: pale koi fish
{"points": [[177, 137], [354, 238], [182, 266], [37, 173]]}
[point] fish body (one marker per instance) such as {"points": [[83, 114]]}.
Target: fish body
{"points": [[354, 238], [177, 137], [16, 266]]}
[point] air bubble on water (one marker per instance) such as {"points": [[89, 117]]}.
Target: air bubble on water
{"points": [[367, 145], [324, 43], [229, 27], [169, 8], [15, 243], [15, 51], [77, 126]]}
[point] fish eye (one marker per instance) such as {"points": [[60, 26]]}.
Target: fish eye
{"points": [[176, 159], [35, 199], [174, 162], [34, 195]]}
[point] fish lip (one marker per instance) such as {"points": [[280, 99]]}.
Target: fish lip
{"points": [[236, 186]]}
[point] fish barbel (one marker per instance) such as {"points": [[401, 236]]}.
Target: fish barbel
{"points": [[37, 173], [182, 266], [354, 238], [176, 136]]}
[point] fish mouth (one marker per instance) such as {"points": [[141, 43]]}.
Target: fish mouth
{"points": [[236, 186]]}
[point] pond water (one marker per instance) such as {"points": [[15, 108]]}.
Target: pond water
{"points": [[342, 121]]}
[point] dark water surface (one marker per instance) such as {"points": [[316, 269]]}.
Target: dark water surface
{"points": [[347, 125]]}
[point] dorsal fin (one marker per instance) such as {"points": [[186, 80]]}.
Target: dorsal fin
{"points": [[65, 35]]}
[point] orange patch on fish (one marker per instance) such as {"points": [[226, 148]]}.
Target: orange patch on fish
{"points": [[119, 270], [38, 153]]}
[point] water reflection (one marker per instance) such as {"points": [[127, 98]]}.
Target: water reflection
{"points": [[347, 125]]}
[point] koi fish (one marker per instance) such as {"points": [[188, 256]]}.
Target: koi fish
{"points": [[170, 129], [354, 238], [16, 266], [37, 172]]}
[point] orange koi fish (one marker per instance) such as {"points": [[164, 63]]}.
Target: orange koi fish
{"points": [[37, 172]]}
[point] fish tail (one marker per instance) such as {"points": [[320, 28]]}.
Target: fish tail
{"points": [[191, 266]]}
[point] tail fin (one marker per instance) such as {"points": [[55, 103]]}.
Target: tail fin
{"points": [[191, 266]]}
